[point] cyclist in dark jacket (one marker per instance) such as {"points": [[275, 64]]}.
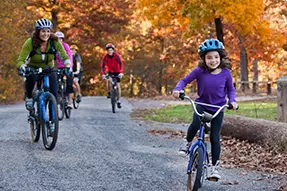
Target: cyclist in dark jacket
{"points": [[77, 70]]}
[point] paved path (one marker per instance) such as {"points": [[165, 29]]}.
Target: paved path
{"points": [[101, 151]]}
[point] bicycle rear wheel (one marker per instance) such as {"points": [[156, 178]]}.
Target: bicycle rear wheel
{"points": [[113, 99], [34, 129], [76, 103], [50, 126], [194, 181], [68, 111]]}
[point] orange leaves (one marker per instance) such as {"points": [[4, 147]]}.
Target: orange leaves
{"points": [[251, 156], [162, 12], [245, 15]]}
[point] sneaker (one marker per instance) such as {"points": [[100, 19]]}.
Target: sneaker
{"points": [[184, 150], [109, 95], [119, 104], [79, 98], [214, 173], [29, 104], [51, 129], [69, 105]]}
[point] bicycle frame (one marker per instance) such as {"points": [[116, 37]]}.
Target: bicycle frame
{"points": [[205, 118], [41, 101], [43, 87]]}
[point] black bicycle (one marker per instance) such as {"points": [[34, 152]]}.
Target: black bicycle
{"points": [[44, 114], [64, 110], [115, 91]]}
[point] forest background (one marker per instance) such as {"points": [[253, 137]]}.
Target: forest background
{"points": [[158, 39]]}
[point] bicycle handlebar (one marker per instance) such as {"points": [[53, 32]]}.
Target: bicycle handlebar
{"points": [[112, 76], [30, 70], [220, 108]]}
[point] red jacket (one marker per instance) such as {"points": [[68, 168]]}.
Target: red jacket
{"points": [[112, 64]]}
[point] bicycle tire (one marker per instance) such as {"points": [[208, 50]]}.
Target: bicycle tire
{"points": [[113, 99], [68, 112], [194, 183], [76, 104], [61, 105], [50, 140], [34, 130]]}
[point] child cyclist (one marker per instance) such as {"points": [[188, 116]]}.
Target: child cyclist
{"points": [[214, 82]]}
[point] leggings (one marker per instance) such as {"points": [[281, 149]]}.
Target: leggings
{"points": [[216, 125], [31, 80]]}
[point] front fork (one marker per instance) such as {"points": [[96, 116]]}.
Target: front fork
{"points": [[205, 156], [42, 107]]}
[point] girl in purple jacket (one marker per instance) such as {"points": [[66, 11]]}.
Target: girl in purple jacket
{"points": [[214, 82]]}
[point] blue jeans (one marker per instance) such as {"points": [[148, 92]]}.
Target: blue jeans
{"points": [[216, 125]]}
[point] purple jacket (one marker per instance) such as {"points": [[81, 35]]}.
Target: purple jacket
{"points": [[212, 88], [60, 63]]}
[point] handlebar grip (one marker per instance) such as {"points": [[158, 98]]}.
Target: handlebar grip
{"points": [[231, 107], [181, 95]]}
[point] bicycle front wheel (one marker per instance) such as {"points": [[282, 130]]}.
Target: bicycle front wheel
{"points": [[194, 178], [50, 126], [61, 103], [113, 99]]}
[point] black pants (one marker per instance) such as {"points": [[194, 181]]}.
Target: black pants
{"points": [[216, 125], [31, 80], [69, 88]]}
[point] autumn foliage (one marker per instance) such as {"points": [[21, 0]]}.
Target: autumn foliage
{"points": [[157, 39]]}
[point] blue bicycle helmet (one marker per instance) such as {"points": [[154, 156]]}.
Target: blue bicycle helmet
{"points": [[209, 45], [43, 23]]}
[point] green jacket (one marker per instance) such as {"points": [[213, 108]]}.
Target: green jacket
{"points": [[41, 60]]}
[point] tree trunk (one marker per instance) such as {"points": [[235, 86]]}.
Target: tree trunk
{"points": [[160, 78], [132, 84], [141, 86], [243, 64], [263, 132], [161, 67], [255, 75], [54, 13], [219, 29]]}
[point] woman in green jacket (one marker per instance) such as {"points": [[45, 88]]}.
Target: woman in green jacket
{"points": [[39, 52]]}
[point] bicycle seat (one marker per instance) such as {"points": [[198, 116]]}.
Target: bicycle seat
{"points": [[207, 117]]}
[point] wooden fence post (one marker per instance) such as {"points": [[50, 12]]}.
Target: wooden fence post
{"points": [[269, 88], [282, 98], [254, 87]]}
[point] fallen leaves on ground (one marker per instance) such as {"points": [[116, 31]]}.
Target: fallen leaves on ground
{"points": [[235, 153], [230, 182], [282, 188], [170, 133], [240, 154]]}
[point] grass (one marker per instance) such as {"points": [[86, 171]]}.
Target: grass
{"points": [[183, 113]]}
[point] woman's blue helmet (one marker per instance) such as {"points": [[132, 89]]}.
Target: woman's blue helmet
{"points": [[209, 45]]}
